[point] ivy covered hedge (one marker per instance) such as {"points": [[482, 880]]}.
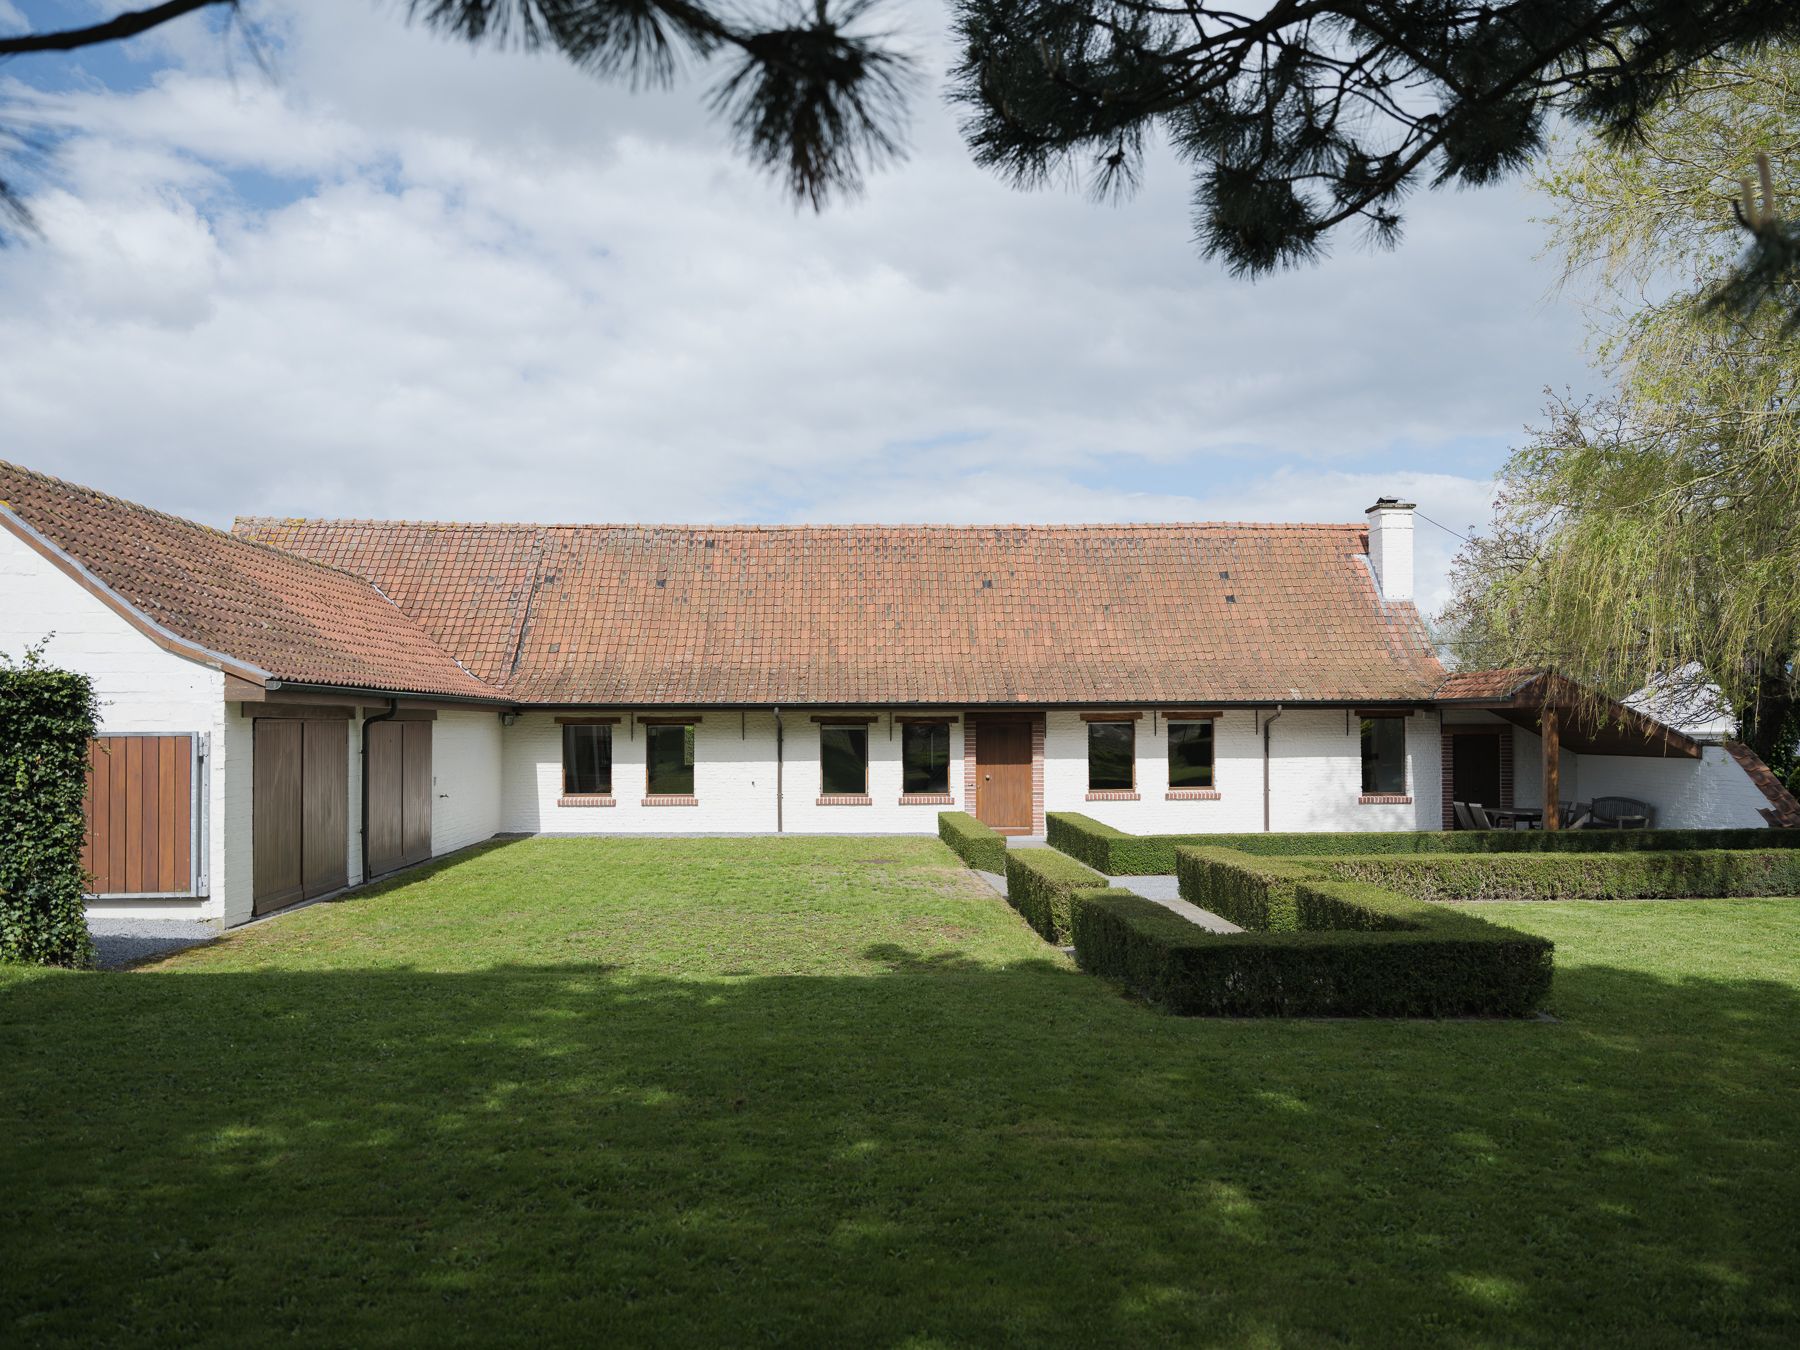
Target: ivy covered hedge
{"points": [[1700, 874], [47, 718], [976, 844], [1313, 947], [1042, 885], [1118, 853]]}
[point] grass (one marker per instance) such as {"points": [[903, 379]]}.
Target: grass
{"points": [[737, 1091]]}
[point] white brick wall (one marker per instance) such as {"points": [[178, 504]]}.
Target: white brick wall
{"points": [[466, 772], [734, 780], [140, 687], [1710, 793]]}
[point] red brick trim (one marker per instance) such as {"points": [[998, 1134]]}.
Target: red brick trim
{"points": [[671, 801], [1384, 799], [845, 799], [1192, 795], [586, 799], [1783, 810], [1447, 759], [1112, 795], [927, 799]]}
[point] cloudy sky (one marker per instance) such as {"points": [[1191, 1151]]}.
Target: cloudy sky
{"points": [[391, 276]]}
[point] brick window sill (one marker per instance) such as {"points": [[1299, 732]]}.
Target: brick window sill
{"points": [[1192, 795], [671, 801], [1384, 799], [586, 799], [1112, 795], [845, 799], [927, 799]]}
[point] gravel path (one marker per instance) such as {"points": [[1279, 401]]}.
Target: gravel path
{"points": [[124, 942]]}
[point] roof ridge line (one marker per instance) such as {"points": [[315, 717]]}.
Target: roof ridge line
{"points": [[522, 526]]}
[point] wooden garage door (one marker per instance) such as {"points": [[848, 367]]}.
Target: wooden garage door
{"points": [[276, 813], [300, 810], [399, 795], [140, 815]]}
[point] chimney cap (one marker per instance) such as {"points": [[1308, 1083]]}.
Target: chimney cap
{"points": [[1390, 504]]}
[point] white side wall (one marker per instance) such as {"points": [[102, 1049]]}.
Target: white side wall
{"points": [[466, 776], [734, 780], [1315, 776], [141, 688]]}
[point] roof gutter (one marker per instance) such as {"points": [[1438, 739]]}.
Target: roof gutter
{"points": [[356, 691], [165, 638]]}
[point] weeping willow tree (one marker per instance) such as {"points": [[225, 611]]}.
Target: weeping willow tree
{"points": [[1652, 538]]}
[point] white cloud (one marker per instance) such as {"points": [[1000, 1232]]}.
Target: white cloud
{"points": [[405, 278]]}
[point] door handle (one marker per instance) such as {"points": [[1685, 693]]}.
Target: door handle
{"points": [[987, 777]]}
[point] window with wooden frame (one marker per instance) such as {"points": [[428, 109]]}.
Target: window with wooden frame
{"points": [[1112, 756], [925, 759], [587, 764], [669, 760], [844, 759], [1191, 756], [1383, 756]]}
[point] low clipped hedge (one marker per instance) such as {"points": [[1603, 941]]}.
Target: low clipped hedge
{"points": [[1118, 853], [1699, 874], [1441, 963], [976, 844], [1314, 946], [1042, 885]]}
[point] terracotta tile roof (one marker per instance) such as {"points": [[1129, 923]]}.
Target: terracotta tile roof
{"points": [[894, 614], [1485, 684], [300, 621]]}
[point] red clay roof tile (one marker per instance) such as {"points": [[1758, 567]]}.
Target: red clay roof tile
{"points": [[297, 619], [636, 614]]}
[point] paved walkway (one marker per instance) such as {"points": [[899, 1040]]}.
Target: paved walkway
{"points": [[1162, 889], [125, 942]]}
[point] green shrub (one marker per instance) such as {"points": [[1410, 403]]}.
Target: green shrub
{"points": [[1041, 884], [1364, 952], [1250, 892], [47, 718], [1699, 874], [973, 842], [1120, 854]]}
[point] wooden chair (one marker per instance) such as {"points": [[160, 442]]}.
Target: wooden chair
{"points": [[1577, 815], [1479, 815], [1464, 819], [1623, 813]]}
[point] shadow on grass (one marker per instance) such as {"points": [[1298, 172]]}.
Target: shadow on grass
{"points": [[939, 1151]]}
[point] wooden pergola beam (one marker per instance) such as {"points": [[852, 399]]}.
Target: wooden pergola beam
{"points": [[1551, 726]]}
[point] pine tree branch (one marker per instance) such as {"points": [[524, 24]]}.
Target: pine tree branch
{"points": [[126, 25]]}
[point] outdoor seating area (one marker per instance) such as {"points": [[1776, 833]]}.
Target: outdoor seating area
{"points": [[1602, 813]]}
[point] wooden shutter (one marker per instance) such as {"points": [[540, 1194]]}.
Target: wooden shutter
{"points": [[140, 815], [276, 813]]}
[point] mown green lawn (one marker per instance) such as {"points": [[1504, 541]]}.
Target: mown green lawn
{"points": [[741, 1091]]}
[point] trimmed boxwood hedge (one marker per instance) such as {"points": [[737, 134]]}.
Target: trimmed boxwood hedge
{"points": [[1120, 854], [1441, 963], [973, 842], [1042, 884], [47, 718], [1700, 874]]}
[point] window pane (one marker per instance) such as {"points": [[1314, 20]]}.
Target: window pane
{"points": [[670, 752], [1384, 754], [844, 761], [587, 761], [925, 757], [1190, 754], [1111, 746]]}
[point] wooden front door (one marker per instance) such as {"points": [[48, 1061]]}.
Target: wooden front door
{"points": [[1003, 774]]}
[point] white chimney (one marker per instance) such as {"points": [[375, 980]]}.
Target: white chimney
{"points": [[1391, 547]]}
